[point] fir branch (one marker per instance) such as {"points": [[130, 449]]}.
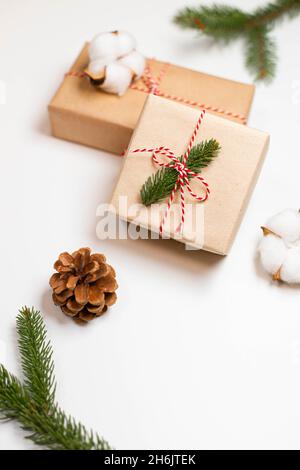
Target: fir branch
{"points": [[261, 54], [14, 398], [36, 357], [32, 404], [224, 23], [274, 12], [160, 184], [220, 21]]}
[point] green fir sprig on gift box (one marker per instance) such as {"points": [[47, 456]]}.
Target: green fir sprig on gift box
{"points": [[32, 403], [161, 184], [224, 24]]}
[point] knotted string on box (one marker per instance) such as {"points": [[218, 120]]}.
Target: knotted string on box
{"points": [[184, 173], [152, 86]]}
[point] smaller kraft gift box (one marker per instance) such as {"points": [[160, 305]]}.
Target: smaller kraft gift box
{"points": [[165, 133], [81, 113]]}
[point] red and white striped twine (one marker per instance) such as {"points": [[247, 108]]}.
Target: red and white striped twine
{"points": [[184, 173], [152, 87], [72, 73]]}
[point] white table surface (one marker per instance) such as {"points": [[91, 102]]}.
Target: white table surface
{"points": [[200, 352]]}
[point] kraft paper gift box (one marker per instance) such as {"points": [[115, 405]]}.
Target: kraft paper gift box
{"points": [[231, 176], [81, 113]]}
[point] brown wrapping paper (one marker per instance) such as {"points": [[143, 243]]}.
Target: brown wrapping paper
{"points": [[80, 113], [211, 225]]}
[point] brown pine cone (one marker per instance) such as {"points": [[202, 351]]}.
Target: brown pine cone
{"points": [[84, 285]]}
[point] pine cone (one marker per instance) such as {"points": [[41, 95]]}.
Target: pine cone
{"points": [[84, 285]]}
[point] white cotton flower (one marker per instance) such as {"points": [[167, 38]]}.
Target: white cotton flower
{"points": [[117, 79], [114, 63], [286, 225], [104, 46], [280, 248], [96, 67], [273, 252], [135, 61], [290, 269], [111, 45], [126, 43]]}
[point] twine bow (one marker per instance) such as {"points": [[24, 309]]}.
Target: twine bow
{"points": [[184, 174]]}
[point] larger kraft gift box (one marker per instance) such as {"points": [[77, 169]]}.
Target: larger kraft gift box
{"points": [[81, 113], [231, 176]]}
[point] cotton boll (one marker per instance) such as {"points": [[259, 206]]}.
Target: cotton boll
{"points": [[96, 67], [286, 224], [105, 46], [272, 253], [117, 79], [114, 62], [135, 61], [126, 43], [290, 270]]}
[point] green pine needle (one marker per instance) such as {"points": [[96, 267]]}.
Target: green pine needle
{"points": [[36, 358], [261, 54], [32, 404], [220, 21], [160, 184], [225, 23], [275, 12]]}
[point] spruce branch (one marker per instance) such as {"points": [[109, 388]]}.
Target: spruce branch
{"points": [[160, 184], [224, 24], [36, 358], [274, 12], [32, 403], [220, 21], [260, 54]]}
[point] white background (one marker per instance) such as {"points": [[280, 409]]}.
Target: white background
{"points": [[200, 351]]}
